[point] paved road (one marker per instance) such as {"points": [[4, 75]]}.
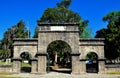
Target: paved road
{"points": [[63, 75]]}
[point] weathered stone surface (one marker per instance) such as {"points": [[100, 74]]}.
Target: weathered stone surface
{"points": [[91, 45], [16, 65], [68, 34], [6, 68], [25, 45], [34, 63]]}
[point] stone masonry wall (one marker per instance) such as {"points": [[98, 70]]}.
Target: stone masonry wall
{"points": [[6, 68]]}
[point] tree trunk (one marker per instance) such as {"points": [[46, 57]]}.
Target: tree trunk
{"points": [[56, 57]]}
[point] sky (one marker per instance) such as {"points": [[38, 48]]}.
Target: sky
{"points": [[12, 11]]}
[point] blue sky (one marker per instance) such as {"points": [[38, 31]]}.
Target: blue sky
{"points": [[12, 11]]}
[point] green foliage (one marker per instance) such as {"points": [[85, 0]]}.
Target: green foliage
{"points": [[17, 31], [5, 73], [58, 47], [25, 56], [113, 73], [4, 54], [86, 33], [36, 33], [61, 14], [111, 34], [91, 56], [64, 3], [25, 64], [4, 63]]}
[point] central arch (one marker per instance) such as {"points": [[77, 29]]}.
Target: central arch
{"points": [[59, 56]]}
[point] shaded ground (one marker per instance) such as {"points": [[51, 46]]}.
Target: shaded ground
{"points": [[59, 75]]}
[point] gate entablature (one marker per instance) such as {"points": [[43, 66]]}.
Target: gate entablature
{"points": [[58, 27]]}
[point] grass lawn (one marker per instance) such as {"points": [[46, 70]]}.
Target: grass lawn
{"points": [[113, 73], [4, 75], [4, 63], [9, 77], [25, 65]]}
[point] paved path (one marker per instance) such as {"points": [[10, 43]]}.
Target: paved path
{"points": [[62, 75]]}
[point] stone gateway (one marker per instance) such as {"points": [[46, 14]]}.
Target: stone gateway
{"points": [[66, 32]]}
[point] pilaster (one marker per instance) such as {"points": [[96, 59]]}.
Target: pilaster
{"points": [[16, 65], [34, 65], [42, 61]]}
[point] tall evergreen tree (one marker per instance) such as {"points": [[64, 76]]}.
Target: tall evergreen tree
{"points": [[111, 34], [62, 14], [17, 31]]}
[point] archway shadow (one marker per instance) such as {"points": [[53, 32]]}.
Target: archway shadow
{"points": [[25, 69]]}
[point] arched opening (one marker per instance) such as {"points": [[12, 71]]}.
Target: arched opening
{"points": [[25, 64], [59, 58], [92, 62]]}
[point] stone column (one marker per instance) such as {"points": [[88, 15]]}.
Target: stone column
{"points": [[75, 63], [101, 66], [42, 61], [16, 65], [33, 65]]}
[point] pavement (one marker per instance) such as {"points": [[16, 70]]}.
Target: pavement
{"points": [[62, 75]]}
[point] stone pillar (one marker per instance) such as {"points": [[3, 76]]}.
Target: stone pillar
{"points": [[75, 63], [16, 65], [33, 65], [101, 66], [42, 61], [82, 66]]}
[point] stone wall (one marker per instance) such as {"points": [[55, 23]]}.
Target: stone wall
{"points": [[112, 68], [6, 68]]}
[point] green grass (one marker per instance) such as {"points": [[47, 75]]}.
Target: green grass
{"points": [[25, 65], [113, 73], [5, 73], [9, 77], [4, 63]]}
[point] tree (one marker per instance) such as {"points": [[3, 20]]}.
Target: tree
{"points": [[36, 33], [64, 3], [86, 33], [17, 31], [111, 35], [62, 14]]}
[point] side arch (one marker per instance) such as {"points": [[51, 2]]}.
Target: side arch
{"points": [[93, 52], [92, 62]]}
